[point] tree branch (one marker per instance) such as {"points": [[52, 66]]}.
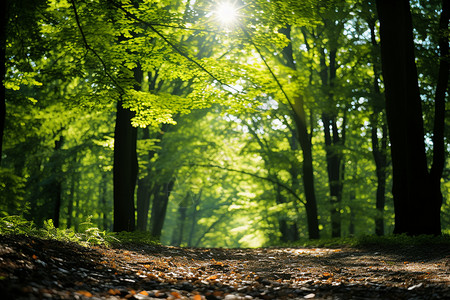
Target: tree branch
{"points": [[172, 45], [89, 48], [268, 67], [292, 192]]}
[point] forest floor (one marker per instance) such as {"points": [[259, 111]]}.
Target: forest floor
{"points": [[32, 268]]}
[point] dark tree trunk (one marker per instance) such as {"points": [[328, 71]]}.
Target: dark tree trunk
{"points": [[379, 153], [125, 170], [102, 195], [57, 182], [304, 139], [144, 192], [3, 34], [178, 231], [161, 196], [143, 203], [333, 143], [194, 218], [417, 197], [379, 150]]}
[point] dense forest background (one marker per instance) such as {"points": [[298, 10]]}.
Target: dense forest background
{"points": [[260, 123]]}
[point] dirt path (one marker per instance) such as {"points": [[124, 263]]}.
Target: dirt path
{"points": [[38, 269]]}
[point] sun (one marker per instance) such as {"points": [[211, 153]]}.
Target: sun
{"points": [[226, 12]]}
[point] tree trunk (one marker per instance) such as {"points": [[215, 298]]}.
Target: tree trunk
{"points": [[161, 196], [3, 35], [125, 170], [103, 189], [194, 218], [57, 182], [125, 164], [299, 114], [417, 199], [143, 203], [333, 142], [144, 192], [379, 154], [379, 151], [178, 231]]}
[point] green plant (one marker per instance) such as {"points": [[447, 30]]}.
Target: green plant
{"points": [[89, 235], [16, 225]]}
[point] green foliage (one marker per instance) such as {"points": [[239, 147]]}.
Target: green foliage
{"points": [[231, 148], [17, 225], [89, 235], [12, 193]]}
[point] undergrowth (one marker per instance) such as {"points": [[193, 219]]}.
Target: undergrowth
{"points": [[88, 235], [373, 240]]}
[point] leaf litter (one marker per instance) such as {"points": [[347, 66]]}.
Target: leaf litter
{"points": [[31, 268]]}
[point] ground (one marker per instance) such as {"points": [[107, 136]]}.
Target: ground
{"points": [[32, 268]]}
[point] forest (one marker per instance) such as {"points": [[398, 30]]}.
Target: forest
{"points": [[233, 124]]}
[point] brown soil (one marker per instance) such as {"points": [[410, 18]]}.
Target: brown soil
{"points": [[32, 268]]}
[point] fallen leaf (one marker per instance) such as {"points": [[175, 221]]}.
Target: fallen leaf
{"points": [[176, 295], [85, 293], [113, 292]]}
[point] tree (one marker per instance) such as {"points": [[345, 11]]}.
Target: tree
{"points": [[300, 119], [3, 22], [416, 190]]}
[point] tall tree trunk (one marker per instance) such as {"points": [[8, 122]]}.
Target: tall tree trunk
{"points": [[379, 150], [379, 153], [3, 34], [417, 198], [304, 139], [125, 170], [333, 142]]}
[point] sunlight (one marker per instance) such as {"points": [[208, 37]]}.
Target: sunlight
{"points": [[226, 12]]}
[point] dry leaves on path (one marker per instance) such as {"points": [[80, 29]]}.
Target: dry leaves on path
{"points": [[37, 269]]}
